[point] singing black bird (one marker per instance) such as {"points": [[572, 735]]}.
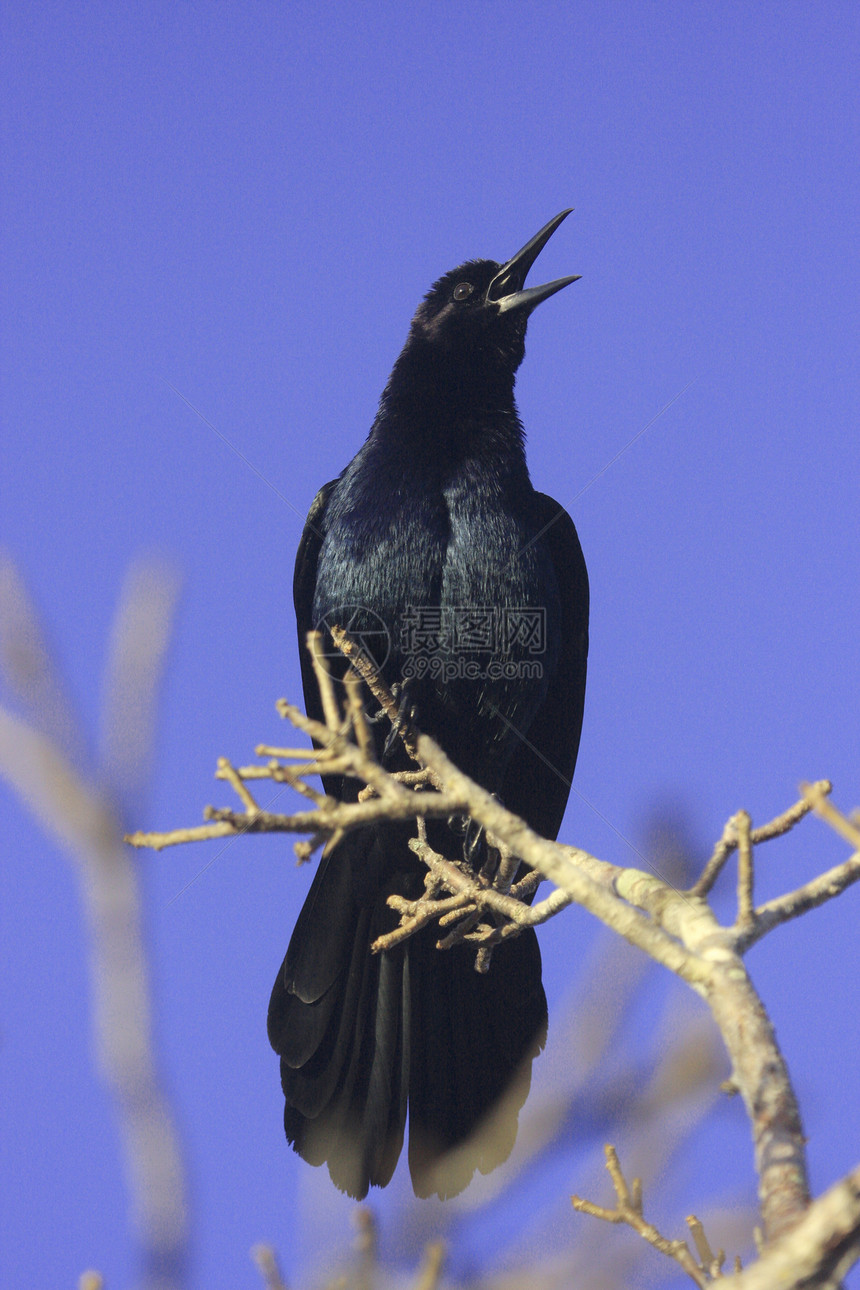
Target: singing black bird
{"points": [[470, 590]]}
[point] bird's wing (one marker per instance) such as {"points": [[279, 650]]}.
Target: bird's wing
{"points": [[334, 1006], [538, 778], [304, 586]]}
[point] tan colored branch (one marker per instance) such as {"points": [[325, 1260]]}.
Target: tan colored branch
{"points": [[330, 818], [324, 683], [431, 1270], [728, 842], [760, 1074], [816, 797], [366, 670], [818, 890], [746, 875], [819, 1249], [677, 929], [236, 782], [709, 1262], [366, 1247], [267, 1263], [812, 894], [628, 1209], [582, 877]]}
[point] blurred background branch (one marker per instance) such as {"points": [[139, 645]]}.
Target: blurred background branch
{"points": [[83, 807]]}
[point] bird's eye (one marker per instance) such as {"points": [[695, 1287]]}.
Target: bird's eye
{"points": [[463, 290]]}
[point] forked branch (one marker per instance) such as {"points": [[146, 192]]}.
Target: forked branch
{"points": [[628, 1209], [484, 907]]}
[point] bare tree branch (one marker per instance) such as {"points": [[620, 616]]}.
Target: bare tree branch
{"points": [[484, 908], [817, 1251], [84, 817], [745, 871], [728, 842], [267, 1262], [27, 665], [628, 1209], [812, 894], [431, 1269], [139, 638], [816, 796]]}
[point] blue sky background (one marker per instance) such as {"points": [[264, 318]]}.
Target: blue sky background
{"points": [[246, 202]]}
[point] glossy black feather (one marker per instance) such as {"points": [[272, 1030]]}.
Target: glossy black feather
{"points": [[435, 513]]}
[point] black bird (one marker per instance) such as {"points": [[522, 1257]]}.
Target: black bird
{"points": [[433, 539]]}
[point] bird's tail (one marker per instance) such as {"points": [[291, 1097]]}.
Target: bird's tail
{"points": [[361, 1036]]}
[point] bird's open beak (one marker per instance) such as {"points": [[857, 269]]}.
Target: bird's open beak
{"points": [[507, 290]]}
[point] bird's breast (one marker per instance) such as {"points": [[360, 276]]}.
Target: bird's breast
{"points": [[455, 586], [383, 551]]}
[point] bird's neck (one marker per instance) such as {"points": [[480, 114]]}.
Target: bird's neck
{"points": [[450, 400]]}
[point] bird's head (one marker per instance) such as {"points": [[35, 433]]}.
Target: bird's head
{"points": [[478, 312]]}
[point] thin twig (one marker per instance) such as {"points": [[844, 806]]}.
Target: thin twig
{"points": [[746, 876], [710, 1263], [809, 896], [324, 682], [411, 778], [227, 771], [628, 1209], [366, 1244], [291, 775], [818, 890], [431, 1269], [357, 716], [369, 674], [295, 754], [775, 828], [414, 916], [331, 818], [816, 797], [267, 1261], [356, 764]]}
